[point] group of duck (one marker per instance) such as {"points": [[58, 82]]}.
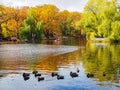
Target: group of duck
{"points": [[26, 76], [38, 75]]}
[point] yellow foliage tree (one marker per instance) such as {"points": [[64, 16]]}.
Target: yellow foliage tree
{"points": [[47, 14]]}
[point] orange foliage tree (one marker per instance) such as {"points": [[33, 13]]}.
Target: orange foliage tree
{"points": [[47, 14], [55, 22], [4, 17], [18, 16], [67, 22]]}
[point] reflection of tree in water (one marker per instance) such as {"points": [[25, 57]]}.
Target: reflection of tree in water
{"points": [[99, 59], [65, 41], [55, 62]]}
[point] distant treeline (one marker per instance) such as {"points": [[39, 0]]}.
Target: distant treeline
{"points": [[101, 19], [38, 22]]}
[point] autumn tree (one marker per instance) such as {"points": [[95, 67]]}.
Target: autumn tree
{"points": [[67, 22], [62, 18], [47, 14], [80, 32], [4, 17], [74, 17], [11, 18], [18, 21], [19, 14], [31, 28]]}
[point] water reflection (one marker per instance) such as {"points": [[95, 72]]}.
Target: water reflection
{"points": [[65, 41], [102, 60], [56, 62], [19, 57]]}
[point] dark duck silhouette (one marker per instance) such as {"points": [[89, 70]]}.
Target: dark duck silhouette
{"points": [[34, 72], [26, 76], [90, 75], [41, 78], [104, 74], [54, 74], [37, 74], [60, 77], [73, 74], [78, 70]]}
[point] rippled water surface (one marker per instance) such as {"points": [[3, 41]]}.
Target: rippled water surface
{"points": [[102, 60]]}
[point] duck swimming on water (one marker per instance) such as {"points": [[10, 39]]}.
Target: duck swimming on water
{"points": [[37, 74], [78, 70], [60, 77], [90, 75], [34, 72], [54, 74], [41, 78], [26, 76], [73, 74]]}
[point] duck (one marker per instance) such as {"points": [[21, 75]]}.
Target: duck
{"points": [[37, 74], [104, 74], [34, 72], [26, 78], [78, 70], [90, 75], [73, 74], [54, 74], [26, 74], [60, 77], [41, 78]]}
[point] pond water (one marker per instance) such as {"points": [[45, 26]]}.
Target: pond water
{"points": [[102, 60]]}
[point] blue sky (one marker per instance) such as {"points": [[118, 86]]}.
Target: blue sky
{"points": [[71, 5]]}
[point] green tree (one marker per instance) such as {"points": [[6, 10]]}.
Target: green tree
{"points": [[101, 17], [31, 29], [115, 36]]}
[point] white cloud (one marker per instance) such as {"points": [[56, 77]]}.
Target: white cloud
{"points": [[71, 5]]}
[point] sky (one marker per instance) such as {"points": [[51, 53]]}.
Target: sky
{"points": [[70, 5]]}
